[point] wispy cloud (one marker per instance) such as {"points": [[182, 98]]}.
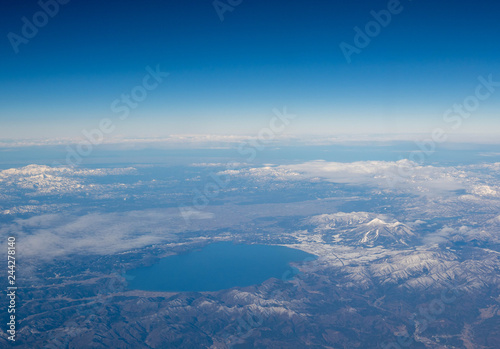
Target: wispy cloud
{"points": [[53, 235], [231, 140], [381, 174]]}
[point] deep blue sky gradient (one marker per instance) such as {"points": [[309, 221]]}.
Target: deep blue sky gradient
{"points": [[226, 77]]}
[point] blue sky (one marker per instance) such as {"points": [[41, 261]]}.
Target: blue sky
{"points": [[227, 76]]}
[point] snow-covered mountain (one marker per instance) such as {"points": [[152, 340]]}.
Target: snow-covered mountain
{"points": [[362, 228]]}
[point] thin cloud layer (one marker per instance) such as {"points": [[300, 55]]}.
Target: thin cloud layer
{"points": [[53, 235], [401, 175]]}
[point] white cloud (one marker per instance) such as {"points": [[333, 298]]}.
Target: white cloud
{"points": [[484, 190], [52, 235], [403, 174], [229, 140]]}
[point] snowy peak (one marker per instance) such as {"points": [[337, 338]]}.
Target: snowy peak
{"points": [[378, 232], [376, 221], [362, 228], [341, 219]]}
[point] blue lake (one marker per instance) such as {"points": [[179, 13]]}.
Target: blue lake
{"points": [[217, 266]]}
